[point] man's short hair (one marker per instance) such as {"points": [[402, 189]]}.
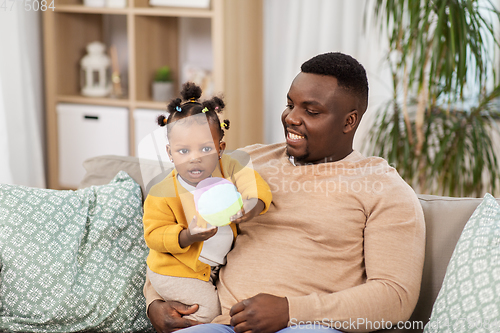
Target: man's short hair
{"points": [[350, 74]]}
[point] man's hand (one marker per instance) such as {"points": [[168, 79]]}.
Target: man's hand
{"points": [[262, 313], [251, 208], [166, 317]]}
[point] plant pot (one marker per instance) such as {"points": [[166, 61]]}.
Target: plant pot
{"points": [[163, 91]]}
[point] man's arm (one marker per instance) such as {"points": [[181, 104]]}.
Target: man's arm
{"points": [[394, 245]]}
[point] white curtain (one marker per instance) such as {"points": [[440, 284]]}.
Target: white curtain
{"points": [[296, 30], [21, 102]]}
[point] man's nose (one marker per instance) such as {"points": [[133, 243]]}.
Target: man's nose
{"points": [[293, 118]]}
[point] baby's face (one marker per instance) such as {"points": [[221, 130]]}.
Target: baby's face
{"points": [[194, 148]]}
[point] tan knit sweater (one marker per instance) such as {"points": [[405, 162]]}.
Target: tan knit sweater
{"points": [[343, 241]]}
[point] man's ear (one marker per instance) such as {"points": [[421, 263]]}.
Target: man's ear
{"points": [[351, 121]]}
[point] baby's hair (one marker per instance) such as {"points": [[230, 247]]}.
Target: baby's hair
{"points": [[189, 105]]}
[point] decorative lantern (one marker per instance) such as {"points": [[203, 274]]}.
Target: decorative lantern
{"points": [[94, 68]]}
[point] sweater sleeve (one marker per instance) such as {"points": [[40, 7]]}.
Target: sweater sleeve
{"points": [[394, 243], [161, 230], [249, 183]]}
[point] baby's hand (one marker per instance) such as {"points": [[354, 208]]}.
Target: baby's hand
{"points": [[251, 208], [195, 234]]}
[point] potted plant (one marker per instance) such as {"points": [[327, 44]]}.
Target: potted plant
{"points": [[437, 129], [163, 87]]}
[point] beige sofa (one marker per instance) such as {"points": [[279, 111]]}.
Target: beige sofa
{"points": [[445, 218]]}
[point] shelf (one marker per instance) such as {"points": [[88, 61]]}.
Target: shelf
{"points": [[73, 32], [160, 37], [91, 10], [174, 12], [107, 101], [189, 40], [148, 11]]}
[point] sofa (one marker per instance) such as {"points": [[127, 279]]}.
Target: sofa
{"points": [[445, 218]]}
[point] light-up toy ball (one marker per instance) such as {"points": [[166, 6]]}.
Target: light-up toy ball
{"points": [[216, 200]]}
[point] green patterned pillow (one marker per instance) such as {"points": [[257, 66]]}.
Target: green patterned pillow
{"points": [[469, 299], [72, 260]]}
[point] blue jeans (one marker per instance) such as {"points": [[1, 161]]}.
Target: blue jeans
{"points": [[218, 328]]}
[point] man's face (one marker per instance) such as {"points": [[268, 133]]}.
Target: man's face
{"points": [[318, 119]]}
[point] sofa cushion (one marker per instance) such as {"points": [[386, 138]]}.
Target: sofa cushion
{"points": [[72, 260], [101, 169], [469, 297]]}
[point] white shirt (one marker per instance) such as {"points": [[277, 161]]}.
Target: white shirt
{"points": [[216, 248]]}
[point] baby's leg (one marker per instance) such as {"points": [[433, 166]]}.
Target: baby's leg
{"points": [[188, 291]]}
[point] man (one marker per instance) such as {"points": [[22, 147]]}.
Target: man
{"points": [[341, 246]]}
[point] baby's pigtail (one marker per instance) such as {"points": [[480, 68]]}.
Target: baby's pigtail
{"points": [[224, 125], [219, 104], [162, 120], [191, 92], [174, 105]]}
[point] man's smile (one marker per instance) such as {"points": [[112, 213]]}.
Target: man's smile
{"points": [[294, 137]]}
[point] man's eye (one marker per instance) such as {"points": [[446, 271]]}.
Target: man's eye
{"points": [[183, 151], [312, 113], [289, 106], [206, 149]]}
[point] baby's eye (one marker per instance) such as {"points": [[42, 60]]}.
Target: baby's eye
{"points": [[183, 151], [206, 149]]}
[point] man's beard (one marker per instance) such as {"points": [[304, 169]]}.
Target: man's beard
{"points": [[301, 158]]}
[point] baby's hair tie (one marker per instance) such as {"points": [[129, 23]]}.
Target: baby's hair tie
{"points": [[205, 109], [216, 108], [223, 125], [178, 108], [165, 120], [192, 100]]}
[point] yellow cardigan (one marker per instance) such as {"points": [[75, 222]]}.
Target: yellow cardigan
{"points": [[166, 208]]}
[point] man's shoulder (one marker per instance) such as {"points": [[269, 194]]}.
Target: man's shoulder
{"points": [[259, 150], [367, 164], [377, 169]]}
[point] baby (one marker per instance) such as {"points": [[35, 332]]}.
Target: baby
{"points": [[184, 258]]}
